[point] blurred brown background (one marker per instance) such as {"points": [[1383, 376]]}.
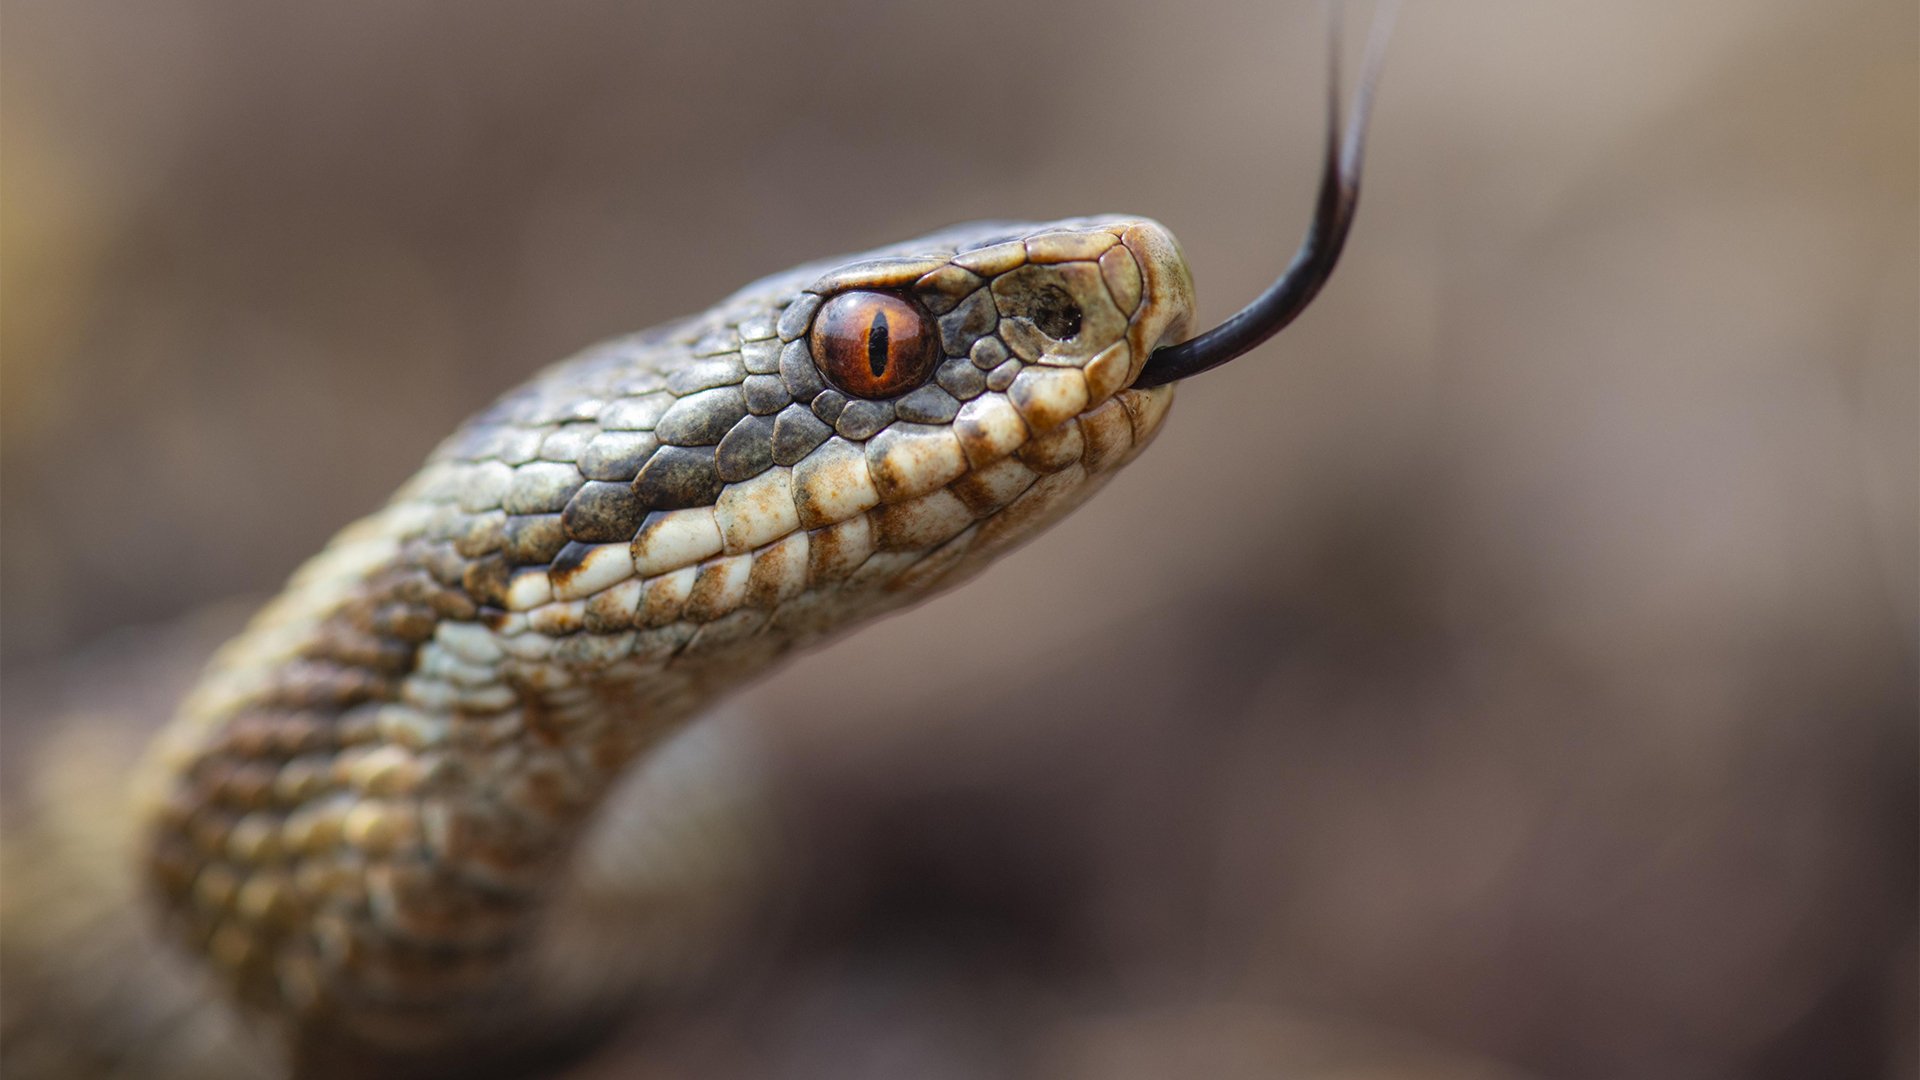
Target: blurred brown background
{"points": [[1509, 672]]}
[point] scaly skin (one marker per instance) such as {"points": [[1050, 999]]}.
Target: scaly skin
{"points": [[362, 822]]}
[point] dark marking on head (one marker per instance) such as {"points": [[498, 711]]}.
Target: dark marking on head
{"points": [[533, 539], [747, 450], [796, 432], [486, 580], [678, 477], [603, 511], [568, 562], [701, 419]]}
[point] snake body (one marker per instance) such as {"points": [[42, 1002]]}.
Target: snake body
{"points": [[362, 824]]}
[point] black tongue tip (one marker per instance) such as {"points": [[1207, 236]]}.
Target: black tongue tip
{"points": [[1313, 263]]}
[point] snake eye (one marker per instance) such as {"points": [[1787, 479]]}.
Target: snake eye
{"points": [[874, 345]]}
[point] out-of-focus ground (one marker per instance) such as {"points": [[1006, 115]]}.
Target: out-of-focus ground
{"points": [[1509, 672]]}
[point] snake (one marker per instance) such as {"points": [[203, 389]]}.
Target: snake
{"points": [[359, 846]]}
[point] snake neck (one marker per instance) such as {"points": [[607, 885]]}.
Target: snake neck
{"points": [[374, 794], [363, 814]]}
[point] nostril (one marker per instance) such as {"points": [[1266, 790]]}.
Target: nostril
{"points": [[1055, 313]]}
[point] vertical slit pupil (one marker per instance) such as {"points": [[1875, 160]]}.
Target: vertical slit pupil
{"points": [[877, 344]]}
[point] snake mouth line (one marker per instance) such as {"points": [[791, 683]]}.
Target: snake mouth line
{"points": [[1313, 262]]}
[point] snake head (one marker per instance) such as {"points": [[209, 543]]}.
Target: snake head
{"points": [[941, 399], [823, 444]]}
